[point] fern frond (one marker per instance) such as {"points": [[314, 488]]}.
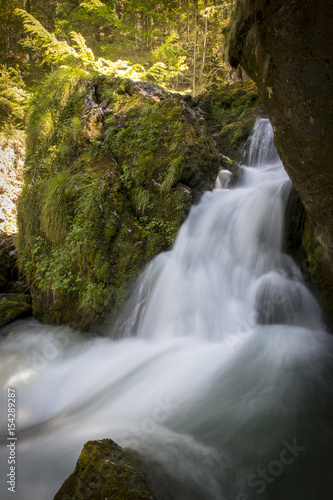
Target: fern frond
{"points": [[54, 51], [83, 52]]}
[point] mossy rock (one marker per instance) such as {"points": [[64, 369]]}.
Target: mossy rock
{"points": [[104, 470], [8, 261], [112, 169], [295, 224], [14, 306], [232, 111], [301, 242]]}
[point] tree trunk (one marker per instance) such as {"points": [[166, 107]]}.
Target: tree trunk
{"points": [[203, 53], [195, 47]]}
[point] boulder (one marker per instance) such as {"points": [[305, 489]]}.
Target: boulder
{"points": [[14, 306], [104, 470], [112, 169]]}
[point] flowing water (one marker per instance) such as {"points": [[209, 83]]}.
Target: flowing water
{"points": [[222, 379]]}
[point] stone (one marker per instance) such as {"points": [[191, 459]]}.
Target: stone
{"points": [[105, 470], [286, 47], [14, 306]]}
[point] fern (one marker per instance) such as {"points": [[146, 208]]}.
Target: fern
{"points": [[83, 52], [55, 51], [58, 52], [13, 96]]}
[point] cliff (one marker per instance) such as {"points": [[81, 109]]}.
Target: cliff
{"points": [[286, 47]]}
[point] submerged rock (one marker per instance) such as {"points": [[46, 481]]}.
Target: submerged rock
{"points": [[104, 470], [112, 169], [286, 47]]}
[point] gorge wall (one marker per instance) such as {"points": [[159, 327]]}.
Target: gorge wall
{"points": [[286, 47]]}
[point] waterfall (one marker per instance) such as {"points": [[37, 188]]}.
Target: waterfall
{"points": [[226, 271], [222, 379]]}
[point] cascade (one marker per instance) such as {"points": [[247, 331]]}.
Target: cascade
{"points": [[222, 377]]}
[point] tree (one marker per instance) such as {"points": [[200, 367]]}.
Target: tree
{"points": [[177, 43]]}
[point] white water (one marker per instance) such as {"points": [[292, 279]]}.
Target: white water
{"points": [[223, 381]]}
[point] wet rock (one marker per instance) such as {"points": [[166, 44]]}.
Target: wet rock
{"points": [[8, 261], [104, 470], [286, 47], [15, 302], [231, 112], [14, 306]]}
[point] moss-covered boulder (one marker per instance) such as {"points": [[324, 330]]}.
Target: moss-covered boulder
{"points": [[14, 306], [104, 470], [231, 112], [286, 47], [112, 169]]}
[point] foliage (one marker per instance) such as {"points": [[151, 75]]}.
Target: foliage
{"points": [[170, 62], [54, 51], [235, 108], [173, 43], [57, 52], [13, 97]]}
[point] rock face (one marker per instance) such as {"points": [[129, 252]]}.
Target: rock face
{"points": [[230, 113], [12, 153], [104, 470], [15, 301], [286, 47], [112, 169]]}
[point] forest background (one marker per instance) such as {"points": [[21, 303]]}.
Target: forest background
{"points": [[177, 44]]}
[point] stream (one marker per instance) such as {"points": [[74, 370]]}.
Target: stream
{"points": [[222, 375]]}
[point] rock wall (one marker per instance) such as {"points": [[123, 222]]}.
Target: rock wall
{"points": [[12, 155], [286, 47], [15, 301]]}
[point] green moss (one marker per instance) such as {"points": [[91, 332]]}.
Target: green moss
{"points": [[104, 191], [14, 306], [320, 272], [104, 470], [56, 216], [235, 108]]}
